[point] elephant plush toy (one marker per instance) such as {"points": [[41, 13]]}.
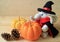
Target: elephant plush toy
{"points": [[46, 18]]}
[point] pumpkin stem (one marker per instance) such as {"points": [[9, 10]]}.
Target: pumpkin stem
{"points": [[19, 18]]}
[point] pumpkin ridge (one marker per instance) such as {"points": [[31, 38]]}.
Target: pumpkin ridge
{"points": [[36, 30], [25, 36], [30, 26], [27, 32], [26, 29], [33, 30], [15, 24]]}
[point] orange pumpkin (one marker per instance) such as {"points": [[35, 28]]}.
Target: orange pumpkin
{"points": [[17, 23], [31, 30]]}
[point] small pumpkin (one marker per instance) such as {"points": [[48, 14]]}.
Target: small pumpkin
{"points": [[30, 30], [18, 22]]}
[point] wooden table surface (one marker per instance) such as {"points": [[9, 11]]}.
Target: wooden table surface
{"points": [[5, 26]]}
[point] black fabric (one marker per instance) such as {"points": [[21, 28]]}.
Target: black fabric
{"points": [[50, 12], [54, 31], [47, 5]]}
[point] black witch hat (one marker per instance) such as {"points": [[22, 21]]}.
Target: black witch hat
{"points": [[47, 8]]}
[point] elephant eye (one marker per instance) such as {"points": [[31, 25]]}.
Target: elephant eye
{"points": [[41, 14]]}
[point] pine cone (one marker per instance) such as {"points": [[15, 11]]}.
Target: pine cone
{"points": [[6, 36], [15, 34]]}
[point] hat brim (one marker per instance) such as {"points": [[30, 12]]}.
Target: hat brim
{"points": [[50, 12]]}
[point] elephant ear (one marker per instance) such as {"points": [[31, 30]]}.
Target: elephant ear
{"points": [[53, 18]]}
